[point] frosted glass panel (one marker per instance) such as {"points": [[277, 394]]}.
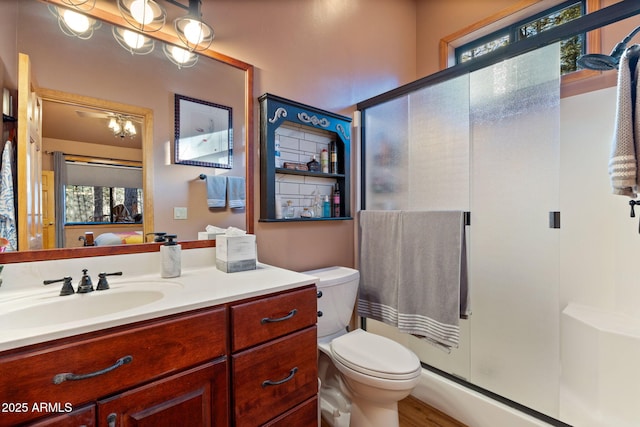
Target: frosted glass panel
{"points": [[417, 150], [514, 254], [439, 146], [385, 155]]}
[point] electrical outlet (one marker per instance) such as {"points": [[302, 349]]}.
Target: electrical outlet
{"points": [[179, 213]]}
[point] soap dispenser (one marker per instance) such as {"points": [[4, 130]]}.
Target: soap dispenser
{"points": [[170, 257]]}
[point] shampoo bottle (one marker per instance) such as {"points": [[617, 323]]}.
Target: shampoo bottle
{"points": [[336, 201], [170, 257]]}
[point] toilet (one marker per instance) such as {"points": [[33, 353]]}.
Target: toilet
{"points": [[362, 375]]}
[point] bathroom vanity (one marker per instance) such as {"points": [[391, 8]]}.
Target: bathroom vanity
{"points": [[224, 349]]}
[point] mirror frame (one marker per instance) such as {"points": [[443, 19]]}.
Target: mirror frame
{"points": [[166, 35], [181, 103]]}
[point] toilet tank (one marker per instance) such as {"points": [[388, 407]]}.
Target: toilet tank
{"points": [[339, 288]]}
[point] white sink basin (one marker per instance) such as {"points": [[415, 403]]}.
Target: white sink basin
{"points": [[49, 310]]}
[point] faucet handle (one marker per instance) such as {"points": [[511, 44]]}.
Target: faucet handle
{"points": [[102, 281], [67, 287]]}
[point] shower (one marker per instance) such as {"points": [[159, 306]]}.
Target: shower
{"points": [[601, 62]]}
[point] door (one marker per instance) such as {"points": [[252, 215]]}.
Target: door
{"points": [[48, 211], [29, 158]]}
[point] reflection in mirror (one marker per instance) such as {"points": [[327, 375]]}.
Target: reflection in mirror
{"points": [[204, 133], [100, 197], [101, 69]]}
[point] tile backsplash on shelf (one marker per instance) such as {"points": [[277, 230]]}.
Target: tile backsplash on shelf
{"points": [[298, 144]]}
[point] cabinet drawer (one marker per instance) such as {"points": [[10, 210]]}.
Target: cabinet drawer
{"points": [[272, 378], [305, 414], [267, 318], [156, 349]]}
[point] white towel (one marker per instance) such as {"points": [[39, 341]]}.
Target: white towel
{"points": [[7, 209], [216, 191], [379, 249], [432, 286], [623, 162], [236, 190]]}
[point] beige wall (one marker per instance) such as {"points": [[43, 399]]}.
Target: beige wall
{"points": [[330, 54]]}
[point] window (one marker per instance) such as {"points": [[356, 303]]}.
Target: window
{"points": [[570, 49], [102, 193], [91, 204]]}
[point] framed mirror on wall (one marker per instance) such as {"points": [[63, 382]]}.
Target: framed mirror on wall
{"points": [[204, 133], [110, 73]]}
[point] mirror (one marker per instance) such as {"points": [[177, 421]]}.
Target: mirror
{"points": [[109, 73], [204, 133]]}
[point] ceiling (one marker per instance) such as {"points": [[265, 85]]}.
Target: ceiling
{"points": [[62, 121]]}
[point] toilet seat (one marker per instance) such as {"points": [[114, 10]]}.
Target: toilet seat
{"points": [[375, 355]]}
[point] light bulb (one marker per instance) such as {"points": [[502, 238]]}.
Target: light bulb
{"points": [[133, 39], [130, 128], [180, 55], [141, 12], [193, 31], [76, 21]]}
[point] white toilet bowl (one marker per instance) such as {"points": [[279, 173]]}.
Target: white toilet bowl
{"points": [[377, 373], [363, 375]]}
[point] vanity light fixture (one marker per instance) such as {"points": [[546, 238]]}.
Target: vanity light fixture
{"points": [[179, 56], [122, 127], [143, 15], [75, 24], [83, 5], [132, 41], [194, 33]]}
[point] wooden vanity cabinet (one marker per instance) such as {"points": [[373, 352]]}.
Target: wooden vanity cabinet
{"points": [[159, 353], [257, 357], [274, 371]]}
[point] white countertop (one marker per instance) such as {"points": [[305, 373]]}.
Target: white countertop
{"points": [[198, 286]]}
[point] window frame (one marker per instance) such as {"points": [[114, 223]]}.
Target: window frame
{"points": [[511, 18]]}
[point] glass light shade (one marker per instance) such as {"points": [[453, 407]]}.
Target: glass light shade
{"points": [[132, 41], [142, 12], [76, 21], [114, 125], [194, 33], [75, 24], [181, 57], [129, 128], [143, 15]]}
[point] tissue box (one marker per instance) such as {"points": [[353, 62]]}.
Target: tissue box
{"points": [[236, 253], [205, 235]]}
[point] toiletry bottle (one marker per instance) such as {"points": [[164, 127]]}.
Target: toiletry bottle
{"points": [[336, 200], [289, 210], [333, 158], [324, 160], [326, 207], [170, 257], [313, 165]]}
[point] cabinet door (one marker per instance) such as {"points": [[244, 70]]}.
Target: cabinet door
{"points": [[197, 397], [81, 417]]}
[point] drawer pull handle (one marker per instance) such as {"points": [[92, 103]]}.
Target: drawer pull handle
{"points": [[282, 381], [279, 319], [68, 376]]}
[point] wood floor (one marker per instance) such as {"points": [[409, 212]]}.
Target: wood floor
{"points": [[414, 413]]}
